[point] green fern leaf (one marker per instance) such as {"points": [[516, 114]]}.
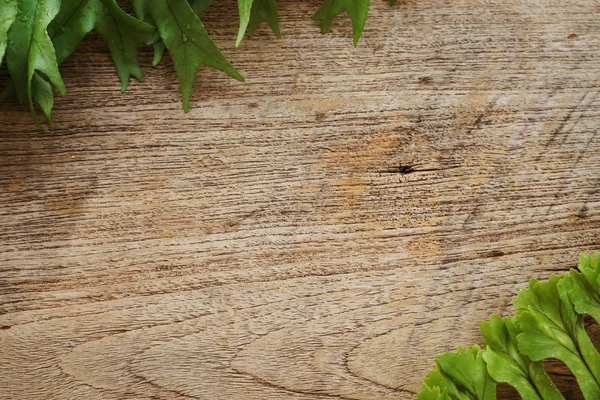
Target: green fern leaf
{"points": [[356, 9], [264, 11], [123, 34], [30, 48], [552, 329], [585, 294], [8, 11], [506, 364], [188, 42]]}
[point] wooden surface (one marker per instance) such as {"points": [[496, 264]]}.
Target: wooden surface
{"points": [[318, 232]]}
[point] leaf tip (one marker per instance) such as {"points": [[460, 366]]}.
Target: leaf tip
{"points": [[236, 75], [186, 105]]}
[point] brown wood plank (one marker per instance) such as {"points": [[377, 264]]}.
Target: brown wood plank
{"points": [[318, 232]]}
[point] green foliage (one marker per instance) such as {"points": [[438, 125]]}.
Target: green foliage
{"points": [[264, 11], [548, 324], [356, 9], [123, 34], [30, 50], [187, 41], [244, 8], [37, 35], [505, 363], [585, 292], [552, 329], [8, 13], [459, 375], [75, 20], [199, 6]]}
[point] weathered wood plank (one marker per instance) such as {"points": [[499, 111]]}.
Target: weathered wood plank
{"points": [[320, 231]]}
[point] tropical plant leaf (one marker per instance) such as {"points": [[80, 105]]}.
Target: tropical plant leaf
{"points": [[438, 385], [264, 11], [74, 21], [432, 393], [199, 6], [30, 48], [139, 7], [356, 9], [188, 42], [552, 329], [547, 325], [43, 96], [8, 13], [244, 9], [123, 34], [585, 293], [459, 375], [506, 364], [37, 35]]}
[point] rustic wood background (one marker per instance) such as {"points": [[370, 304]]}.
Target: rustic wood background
{"points": [[318, 232]]}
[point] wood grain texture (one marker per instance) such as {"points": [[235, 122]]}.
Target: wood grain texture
{"points": [[318, 232]]}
